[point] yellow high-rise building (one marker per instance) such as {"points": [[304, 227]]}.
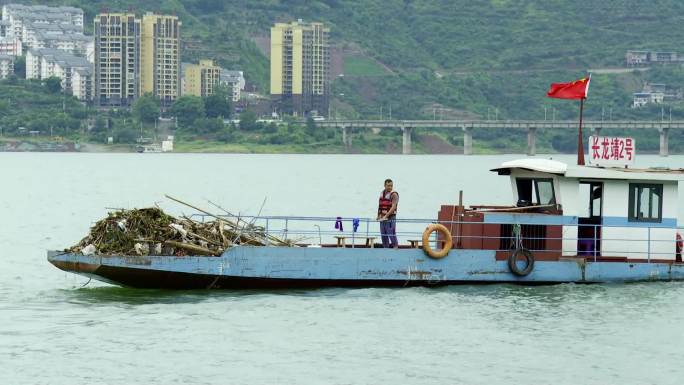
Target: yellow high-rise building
{"points": [[201, 79], [117, 59], [160, 57], [300, 67]]}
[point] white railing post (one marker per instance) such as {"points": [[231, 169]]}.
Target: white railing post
{"points": [[649, 244], [595, 239], [266, 243]]}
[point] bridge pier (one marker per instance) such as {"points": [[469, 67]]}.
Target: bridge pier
{"points": [[467, 141], [346, 138], [406, 140], [664, 141], [531, 141], [597, 131]]}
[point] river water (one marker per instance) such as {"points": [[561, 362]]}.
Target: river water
{"points": [[54, 331]]}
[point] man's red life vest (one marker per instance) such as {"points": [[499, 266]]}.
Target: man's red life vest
{"points": [[385, 202]]}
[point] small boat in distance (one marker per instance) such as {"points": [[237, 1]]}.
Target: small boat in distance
{"points": [[149, 148], [581, 224], [148, 145]]}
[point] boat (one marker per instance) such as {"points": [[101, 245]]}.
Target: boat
{"points": [[148, 145], [154, 147], [565, 223]]}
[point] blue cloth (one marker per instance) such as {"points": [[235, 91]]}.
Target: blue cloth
{"points": [[388, 233], [355, 223], [338, 224]]}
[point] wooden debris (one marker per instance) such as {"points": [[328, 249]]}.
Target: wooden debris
{"points": [[194, 249], [130, 232]]}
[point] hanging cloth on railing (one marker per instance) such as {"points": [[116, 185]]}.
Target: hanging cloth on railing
{"points": [[355, 224], [338, 224]]}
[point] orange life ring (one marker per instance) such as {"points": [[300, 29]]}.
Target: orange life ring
{"points": [[448, 243]]}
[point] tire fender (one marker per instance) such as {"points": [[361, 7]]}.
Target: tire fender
{"points": [[513, 262]]}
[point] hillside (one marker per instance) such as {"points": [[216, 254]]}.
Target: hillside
{"points": [[459, 57]]}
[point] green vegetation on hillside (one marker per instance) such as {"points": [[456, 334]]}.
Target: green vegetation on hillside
{"points": [[450, 58], [32, 106], [362, 66]]}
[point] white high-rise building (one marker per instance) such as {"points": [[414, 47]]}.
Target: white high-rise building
{"points": [[11, 46], [235, 81], [5, 28], [6, 66], [82, 83], [75, 72]]}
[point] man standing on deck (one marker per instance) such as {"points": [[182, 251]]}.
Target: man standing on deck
{"points": [[387, 215]]}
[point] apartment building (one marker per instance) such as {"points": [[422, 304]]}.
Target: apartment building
{"points": [[44, 27], [64, 37], [75, 72], [32, 32], [79, 45], [656, 93], [11, 46], [640, 58], [17, 16], [82, 83], [636, 58], [234, 81], [641, 99], [6, 66], [5, 28], [160, 57], [300, 67], [201, 79], [117, 59]]}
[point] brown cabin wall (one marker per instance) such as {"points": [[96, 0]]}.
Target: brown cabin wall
{"points": [[473, 233]]}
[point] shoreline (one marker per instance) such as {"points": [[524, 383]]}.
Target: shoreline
{"points": [[38, 145]]}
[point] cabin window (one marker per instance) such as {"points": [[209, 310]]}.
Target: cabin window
{"points": [[590, 198], [645, 202], [535, 191]]}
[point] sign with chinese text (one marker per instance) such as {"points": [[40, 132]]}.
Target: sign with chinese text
{"points": [[611, 151]]}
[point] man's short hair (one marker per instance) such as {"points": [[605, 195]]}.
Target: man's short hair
{"points": [[388, 181]]}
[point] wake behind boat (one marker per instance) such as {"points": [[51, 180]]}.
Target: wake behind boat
{"points": [[583, 224]]}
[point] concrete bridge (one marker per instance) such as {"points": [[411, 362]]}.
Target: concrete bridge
{"points": [[467, 126]]}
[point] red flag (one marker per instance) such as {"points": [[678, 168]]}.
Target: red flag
{"points": [[573, 90]]}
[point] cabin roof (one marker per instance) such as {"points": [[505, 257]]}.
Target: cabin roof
{"points": [[590, 172], [541, 165]]}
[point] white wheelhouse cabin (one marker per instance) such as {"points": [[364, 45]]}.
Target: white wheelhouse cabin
{"points": [[623, 214]]}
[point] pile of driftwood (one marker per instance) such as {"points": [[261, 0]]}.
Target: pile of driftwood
{"points": [[150, 231]]}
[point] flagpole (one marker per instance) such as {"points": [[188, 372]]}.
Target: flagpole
{"points": [[580, 146]]}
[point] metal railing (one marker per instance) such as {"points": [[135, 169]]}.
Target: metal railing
{"points": [[321, 231]]}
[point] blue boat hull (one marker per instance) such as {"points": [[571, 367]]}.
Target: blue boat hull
{"points": [[295, 267]]}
